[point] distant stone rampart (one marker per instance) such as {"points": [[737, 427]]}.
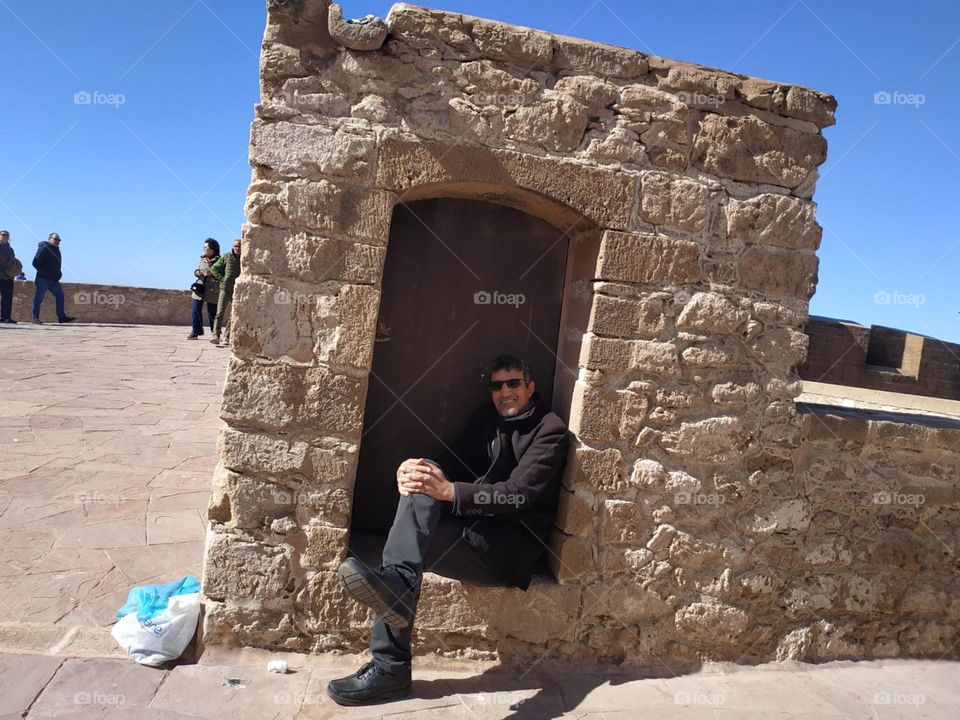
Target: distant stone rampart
{"points": [[107, 304]]}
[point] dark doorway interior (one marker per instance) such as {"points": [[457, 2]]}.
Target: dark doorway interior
{"points": [[453, 280]]}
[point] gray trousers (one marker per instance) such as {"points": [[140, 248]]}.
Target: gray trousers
{"points": [[224, 306], [425, 536]]}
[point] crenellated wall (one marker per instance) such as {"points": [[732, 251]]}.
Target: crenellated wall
{"points": [[699, 510]]}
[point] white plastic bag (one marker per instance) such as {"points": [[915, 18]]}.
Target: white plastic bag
{"points": [[163, 637]]}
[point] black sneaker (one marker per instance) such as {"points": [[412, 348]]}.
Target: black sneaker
{"points": [[370, 685], [383, 592], [9, 321], [67, 319]]}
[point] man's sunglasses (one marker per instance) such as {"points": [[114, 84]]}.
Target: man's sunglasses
{"points": [[513, 384]]}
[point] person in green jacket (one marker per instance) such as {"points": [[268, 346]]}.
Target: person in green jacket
{"points": [[226, 270]]}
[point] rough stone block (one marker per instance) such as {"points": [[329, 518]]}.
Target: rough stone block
{"points": [[750, 150], [709, 313], [779, 274], [314, 401], [247, 451], [311, 151], [574, 514], [571, 558], [237, 570], [595, 469], [716, 439], [642, 357], [603, 196], [591, 58], [331, 323], [676, 202], [774, 220], [525, 48], [307, 258], [648, 259], [627, 317], [595, 414]]}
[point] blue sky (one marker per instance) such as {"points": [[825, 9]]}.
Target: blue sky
{"points": [[134, 187]]}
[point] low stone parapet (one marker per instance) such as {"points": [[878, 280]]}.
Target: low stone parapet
{"points": [[107, 304]]}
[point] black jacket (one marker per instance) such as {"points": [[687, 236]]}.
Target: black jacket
{"points": [[510, 468], [47, 262]]}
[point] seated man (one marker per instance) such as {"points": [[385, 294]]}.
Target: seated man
{"points": [[481, 514]]}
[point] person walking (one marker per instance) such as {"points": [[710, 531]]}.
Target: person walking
{"points": [[226, 270], [206, 289], [48, 262], [10, 268]]}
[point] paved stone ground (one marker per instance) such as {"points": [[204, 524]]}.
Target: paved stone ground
{"points": [[107, 446], [108, 437]]}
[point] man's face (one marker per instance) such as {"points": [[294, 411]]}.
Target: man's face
{"points": [[510, 400], [55, 239], [4, 238], [236, 247]]}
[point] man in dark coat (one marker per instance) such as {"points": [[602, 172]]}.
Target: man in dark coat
{"points": [[480, 514], [48, 262], [8, 273]]}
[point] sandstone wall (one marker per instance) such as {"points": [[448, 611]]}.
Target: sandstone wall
{"points": [[880, 358], [107, 304], [687, 528]]}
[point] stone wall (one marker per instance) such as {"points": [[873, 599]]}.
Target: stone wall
{"points": [[879, 358], [107, 304], [690, 526]]}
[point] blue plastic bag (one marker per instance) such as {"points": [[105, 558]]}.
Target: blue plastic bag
{"points": [[147, 601]]}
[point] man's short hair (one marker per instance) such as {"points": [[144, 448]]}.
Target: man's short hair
{"points": [[509, 361]]}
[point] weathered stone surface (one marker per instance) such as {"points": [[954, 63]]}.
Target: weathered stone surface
{"points": [[775, 220], [602, 196], [595, 469], [300, 256], [332, 323], [589, 91], [646, 317], [750, 150], [622, 356], [239, 570], [712, 623], [647, 259], [311, 401], [366, 34], [595, 414], [717, 439], [605, 61], [781, 274], [327, 208], [431, 33], [525, 48], [575, 516], [676, 203], [570, 557], [709, 313], [311, 151], [556, 125]]}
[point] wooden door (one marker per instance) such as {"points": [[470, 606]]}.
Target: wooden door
{"points": [[464, 281]]}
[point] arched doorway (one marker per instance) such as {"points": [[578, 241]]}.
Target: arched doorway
{"points": [[463, 281]]}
